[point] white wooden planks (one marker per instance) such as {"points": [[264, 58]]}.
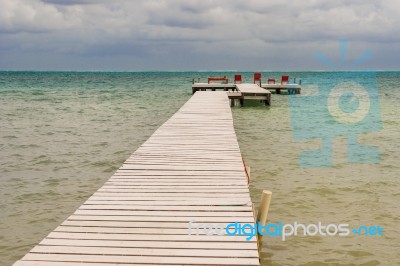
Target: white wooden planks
{"points": [[251, 89], [190, 169], [281, 86]]}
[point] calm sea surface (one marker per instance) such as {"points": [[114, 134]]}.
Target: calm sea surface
{"points": [[63, 134]]}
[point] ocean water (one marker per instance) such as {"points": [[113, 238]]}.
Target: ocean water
{"points": [[63, 134]]}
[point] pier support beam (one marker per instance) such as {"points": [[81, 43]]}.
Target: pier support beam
{"points": [[263, 213]]}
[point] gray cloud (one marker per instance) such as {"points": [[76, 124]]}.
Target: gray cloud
{"points": [[194, 34], [68, 2]]}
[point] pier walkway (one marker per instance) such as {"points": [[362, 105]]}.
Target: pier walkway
{"points": [[245, 91], [239, 89], [190, 169], [290, 88]]}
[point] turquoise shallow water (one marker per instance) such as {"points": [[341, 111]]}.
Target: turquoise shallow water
{"points": [[64, 133]]}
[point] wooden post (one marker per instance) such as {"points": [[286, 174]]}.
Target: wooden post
{"points": [[262, 214], [247, 169], [268, 100]]}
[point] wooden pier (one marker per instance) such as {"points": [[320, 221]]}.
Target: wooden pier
{"points": [[213, 87], [254, 92], [190, 169], [245, 91], [290, 88]]}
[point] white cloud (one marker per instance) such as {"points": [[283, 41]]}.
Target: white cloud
{"points": [[268, 31]]}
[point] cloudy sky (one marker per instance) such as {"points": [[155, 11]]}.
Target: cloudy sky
{"points": [[197, 34]]}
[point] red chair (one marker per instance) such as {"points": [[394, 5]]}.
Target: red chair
{"points": [[285, 80], [271, 81], [238, 79], [223, 79], [257, 78]]}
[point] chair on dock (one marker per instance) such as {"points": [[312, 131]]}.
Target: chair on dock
{"points": [[271, 81], [221, 79], [238, 79], [257, 78], [284, 80]]}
